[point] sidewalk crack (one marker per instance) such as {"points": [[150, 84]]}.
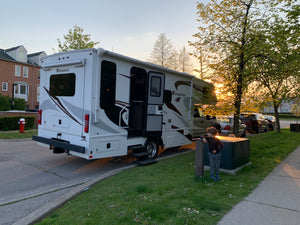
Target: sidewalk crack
{"points": [[274, 206]]}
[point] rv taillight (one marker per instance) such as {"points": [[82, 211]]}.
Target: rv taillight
{"points": [[86, 123], [40, 117]]}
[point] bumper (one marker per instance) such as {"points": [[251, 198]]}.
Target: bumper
{"points": [[60, 144]]}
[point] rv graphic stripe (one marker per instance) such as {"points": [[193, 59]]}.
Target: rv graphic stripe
{"points": [[61, 106]]}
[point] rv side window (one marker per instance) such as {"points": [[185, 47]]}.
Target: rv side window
{"points": [[108, 84], [155, 86], [62, 84]]}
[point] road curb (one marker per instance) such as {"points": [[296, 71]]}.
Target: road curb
{"points": [[48, 208], [15, 140]]}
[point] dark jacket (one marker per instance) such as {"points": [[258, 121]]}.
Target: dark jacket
{"points": [[214, 144]]}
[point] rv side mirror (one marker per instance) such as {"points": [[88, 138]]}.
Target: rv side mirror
{"points": [[167, 96]]}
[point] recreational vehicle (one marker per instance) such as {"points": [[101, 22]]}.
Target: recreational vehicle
{"points": [[96, 103]]}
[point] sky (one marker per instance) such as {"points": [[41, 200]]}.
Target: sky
{"points": [[128, 27]]}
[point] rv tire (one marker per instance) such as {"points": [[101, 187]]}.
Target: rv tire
{"points": [[152, 148]]}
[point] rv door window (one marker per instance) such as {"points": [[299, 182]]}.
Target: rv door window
{"points": [[155, 86], [108, 84], [62, 84]]}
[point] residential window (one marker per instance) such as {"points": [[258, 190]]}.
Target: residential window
{"points": [[21, 91], [25, 72], [17, 71], [4, 86], [39, 74]]}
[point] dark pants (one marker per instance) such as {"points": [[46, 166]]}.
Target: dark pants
{"points": [[214, 163]]}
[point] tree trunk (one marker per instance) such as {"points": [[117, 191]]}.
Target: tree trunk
{"points": [[275, 106], [237, 105], [240, 74]]}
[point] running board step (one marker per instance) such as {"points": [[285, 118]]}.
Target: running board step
{"points": [[145, 162]]}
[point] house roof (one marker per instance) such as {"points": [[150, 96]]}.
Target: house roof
{"points": [[13, 48], [35, 54], [5, 56]]}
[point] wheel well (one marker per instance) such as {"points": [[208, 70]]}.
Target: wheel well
{"points": [[157, 140]]}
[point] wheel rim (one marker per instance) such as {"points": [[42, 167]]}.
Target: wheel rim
{"points": [[152, 149]]}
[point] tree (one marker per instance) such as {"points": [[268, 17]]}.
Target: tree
{"points": [[163, 53], [76, 39], [201, 55], [277, 69], [226, 30], [184, 60], [296, 109]]}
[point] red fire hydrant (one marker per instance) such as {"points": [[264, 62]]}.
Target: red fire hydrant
{"points": [[22, 125]]}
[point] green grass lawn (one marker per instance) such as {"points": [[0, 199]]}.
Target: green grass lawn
{"points": [[17, 134], [169, 193]]}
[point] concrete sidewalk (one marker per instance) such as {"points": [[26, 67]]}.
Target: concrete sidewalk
{"points": [[276, 201]]}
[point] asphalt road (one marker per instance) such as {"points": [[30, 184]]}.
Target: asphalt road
{"points": [[31, 176], [284, 124]]}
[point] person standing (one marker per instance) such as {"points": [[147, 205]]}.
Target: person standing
{"points": [[215, 146]]}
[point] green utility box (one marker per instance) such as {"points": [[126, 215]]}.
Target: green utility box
{"points": [[234, 154], [295, 127]]}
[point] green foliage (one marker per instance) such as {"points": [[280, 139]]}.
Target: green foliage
{"points": [[20, 104], [276, 72], [5, 103], [76, 39], [12, 122], [168, 193], [226, 32], [17, 135], [248, 39]]}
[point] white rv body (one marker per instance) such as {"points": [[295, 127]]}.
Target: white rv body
{"points": [[96, 103]]}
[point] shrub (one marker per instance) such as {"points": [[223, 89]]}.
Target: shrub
{"points": [[5, 103], [20, 104], [12, 122]]}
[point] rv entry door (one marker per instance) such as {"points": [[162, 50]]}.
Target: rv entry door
{"points": [[155, 95]]}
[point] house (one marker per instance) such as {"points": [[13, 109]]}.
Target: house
{"points": [[19, 75]]}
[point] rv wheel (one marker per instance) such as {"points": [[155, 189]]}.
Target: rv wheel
{"points": [[152, 148]]}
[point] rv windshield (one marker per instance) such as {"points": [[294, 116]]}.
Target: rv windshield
{"points": [[62, 84]]}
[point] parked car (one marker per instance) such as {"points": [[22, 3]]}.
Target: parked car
{"points": [[255, 122], [272, 122], [226, 123], [202, 122]]}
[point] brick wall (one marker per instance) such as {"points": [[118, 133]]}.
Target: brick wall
{"points": [[7, 74], [20, 113]]}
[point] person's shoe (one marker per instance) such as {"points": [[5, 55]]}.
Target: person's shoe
{"points": [[213, 178], [217, 178]]}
